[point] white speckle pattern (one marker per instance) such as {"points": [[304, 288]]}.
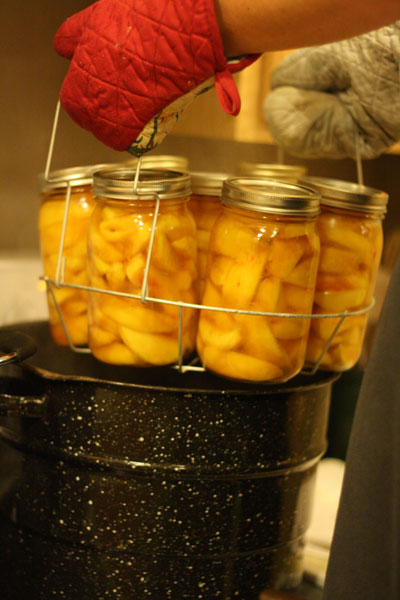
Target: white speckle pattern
{"points": [[124, 492]]}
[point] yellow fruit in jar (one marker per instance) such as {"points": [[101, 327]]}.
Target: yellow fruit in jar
{"points": [[303, 273], [218, 337], [131, 313], [289, 328], [116, 277], [211, 296], [163, 255], [101, 337], [267, 295], [297, 299], [259, 341], [337, 302], [346, 237], [240, 282], [315, 348], [186, 245], [239, 366], [103, 250], [75, 306], [233, 240], [283, 256], [116, 354], [203, 240], [336, 260], [135, 269], [154, 349]]}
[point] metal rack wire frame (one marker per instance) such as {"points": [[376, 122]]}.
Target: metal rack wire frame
{"points": [[144, 297]]}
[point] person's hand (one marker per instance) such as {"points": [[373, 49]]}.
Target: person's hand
{"points": [[135, 64], [322, 97]]}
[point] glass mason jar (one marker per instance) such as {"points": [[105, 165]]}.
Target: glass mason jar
{"points": [[124, 330], [205, 204], [350, 231], [273, 171], [71, 302], [263, 257]]}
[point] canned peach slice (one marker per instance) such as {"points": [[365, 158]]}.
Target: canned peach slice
{"points": [[172, 226], [336, 260], [347, 238], [315, 348], [152, 348], [299, 299], [135, 269], [101, 337], [103, 249], [302, 273], [218, 337], [283, 256], [338, 301], [289, 328], [102, 321], [241, 281], [233, 240], [163, 255], [116, 354], [186, 246], [132, 314], [75, 306], [267, 294], [325, 327], [259, 341], [238, 365]]}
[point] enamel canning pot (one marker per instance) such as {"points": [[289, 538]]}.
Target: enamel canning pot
{"points": [[148, 483]]}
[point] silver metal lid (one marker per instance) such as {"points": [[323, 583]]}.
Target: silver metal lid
{"points": [[75, 176], [348, 195], [160, 161], [207, 183], [276, 171], [119, 184], [270, 196]]}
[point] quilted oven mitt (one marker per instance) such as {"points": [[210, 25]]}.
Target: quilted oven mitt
{"points": [[323, 96], [136, 64]]}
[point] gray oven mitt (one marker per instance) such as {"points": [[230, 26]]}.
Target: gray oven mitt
{"points": [[321, 96]]}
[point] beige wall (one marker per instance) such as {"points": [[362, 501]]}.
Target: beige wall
{"points": [[31, 74]]}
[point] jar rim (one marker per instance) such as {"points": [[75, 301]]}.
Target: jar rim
{"points": [[160, 161], [276, 197], [74, 176], [119, 184], [347, 195]]}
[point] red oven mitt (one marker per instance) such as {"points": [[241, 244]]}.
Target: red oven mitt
{"points": [[135, 65]]}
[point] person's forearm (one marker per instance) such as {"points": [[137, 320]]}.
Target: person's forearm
{"points": [[264, 25]]}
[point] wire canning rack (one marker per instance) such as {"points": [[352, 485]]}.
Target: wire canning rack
{"points": [[59, 281]]}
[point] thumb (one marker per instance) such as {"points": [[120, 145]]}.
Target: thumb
{"points": [[310, 124], [69, 34]]}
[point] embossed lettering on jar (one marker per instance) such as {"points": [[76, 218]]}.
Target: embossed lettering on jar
{"points": [[264, 253], [124, 330], [350, 230]]}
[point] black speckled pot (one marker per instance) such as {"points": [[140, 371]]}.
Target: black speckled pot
{"points": [[137, 484]]}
